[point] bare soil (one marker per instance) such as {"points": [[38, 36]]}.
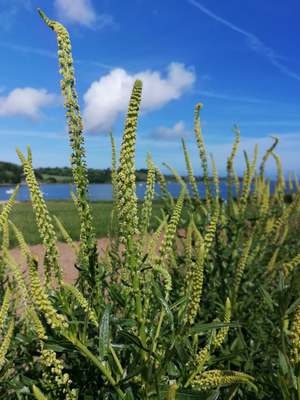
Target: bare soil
{"points": [[66, 255]]}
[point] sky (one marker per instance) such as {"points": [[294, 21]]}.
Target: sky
{"points": [[242, 63]]}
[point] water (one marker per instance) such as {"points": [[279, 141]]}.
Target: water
{"points": [[97, 191]]}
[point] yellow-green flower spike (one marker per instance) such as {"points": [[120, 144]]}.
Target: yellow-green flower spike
{"points": [[280, 184], [114, 237], [38, 394], [44, 223], [149, 196], [197, 284], [266, 156], [16, 270], [265, 202], [202, 152], [179, 180], [216, 181], [21, 241], [155, 240], [161, 270], [238, 274], [7, 208], [127, 200], [164, 187], [166, 246], [297, 184], [42, 302], [211, 379], [230, 169], [222, 333], [211, 231], [37, 325], [5, 236], [165, 250], [65, 235], [289, 266], [5, 343], [188, 253], [4, 308], [295, 337], [114, 175], [249, 173], [190, 171], [202, 358], [54, 377], [82, 302], [236, 180], [75, 126]]}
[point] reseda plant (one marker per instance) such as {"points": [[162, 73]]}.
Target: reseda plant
{"points": [[163, 314], [252, 259]]}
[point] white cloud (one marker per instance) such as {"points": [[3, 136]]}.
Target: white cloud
{"points": [[108, 97], [25, 101], [287, 149], [176, 132], [82, 12]]}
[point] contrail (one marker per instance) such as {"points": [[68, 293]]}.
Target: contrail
{"points": [[253, 41]]}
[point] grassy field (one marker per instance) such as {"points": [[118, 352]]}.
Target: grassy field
{"points": [[22, 215]]}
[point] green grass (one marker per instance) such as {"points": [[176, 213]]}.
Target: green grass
{"points": [[58, 178], [22, 215]]}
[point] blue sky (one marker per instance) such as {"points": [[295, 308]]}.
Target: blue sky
{"points": [[242, 63]]}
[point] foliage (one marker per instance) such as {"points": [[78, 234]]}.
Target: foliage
{"points": [[208, 311]]}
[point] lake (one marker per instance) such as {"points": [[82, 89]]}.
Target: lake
{"points": [[99, 191]]}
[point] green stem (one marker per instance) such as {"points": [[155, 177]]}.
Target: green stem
{"points": [[116, 359], [160, 321], [137, 294], [104, 370]]}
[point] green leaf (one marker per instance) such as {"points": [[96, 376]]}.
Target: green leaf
{"points": [[283, 363], [266, 296], [178, 302], [104, 333], [201, 328], [38, 394], [164, 304], [193, 395], [133, 339]]}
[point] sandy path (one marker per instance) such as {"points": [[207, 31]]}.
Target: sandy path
{"points": [[66, 256]]}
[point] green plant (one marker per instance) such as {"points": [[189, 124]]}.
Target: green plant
{"points": [[209, 311]]}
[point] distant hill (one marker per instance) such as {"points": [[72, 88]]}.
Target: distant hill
{"points": [[12, 173]]}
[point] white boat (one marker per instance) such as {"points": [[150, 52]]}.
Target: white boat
{"points": [[9, 191]]}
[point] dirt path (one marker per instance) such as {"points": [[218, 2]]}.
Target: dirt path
{"points": [[66, 256]]}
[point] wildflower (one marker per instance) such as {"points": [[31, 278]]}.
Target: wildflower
{"points": [[127, 200], [5, 343], [44, 222], [213, 378]]}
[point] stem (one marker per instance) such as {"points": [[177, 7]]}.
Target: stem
{"points": [[105, 371], [161, 317], [116, 359], [137, 295]]}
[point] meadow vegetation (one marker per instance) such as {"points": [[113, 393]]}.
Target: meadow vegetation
{"points": [[23, 217], [208, 312]]}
